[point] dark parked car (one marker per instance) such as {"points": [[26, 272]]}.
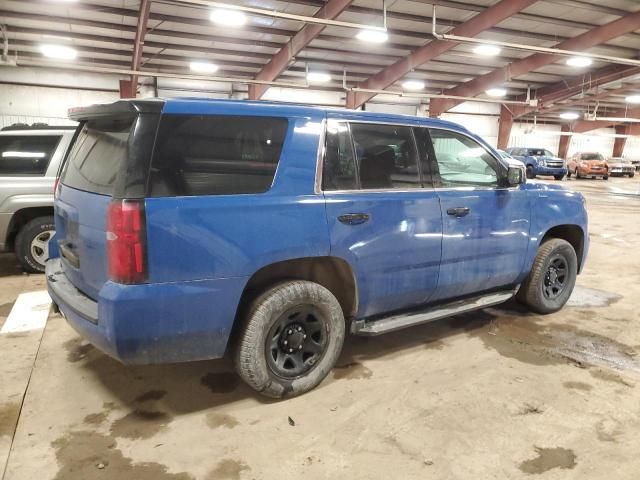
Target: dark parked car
{"points": [[188, 227], [539, 161]]}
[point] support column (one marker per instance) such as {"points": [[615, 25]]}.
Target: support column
{"points": [[565, 141], [619, 143], [505, 122], [127, 89]]}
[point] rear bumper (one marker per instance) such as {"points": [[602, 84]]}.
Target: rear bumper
{"points": [[151, 323], [551, 171]]}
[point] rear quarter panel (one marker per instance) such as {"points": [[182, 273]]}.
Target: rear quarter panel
{"points": [[224, 236]]}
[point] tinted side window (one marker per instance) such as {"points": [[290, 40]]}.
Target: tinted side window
{"points": [[339, 165], [386, 156], [26, 155], [462, 161], [216, 155]]}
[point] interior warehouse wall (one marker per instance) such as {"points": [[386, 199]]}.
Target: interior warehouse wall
{"points": [[54, 94]]}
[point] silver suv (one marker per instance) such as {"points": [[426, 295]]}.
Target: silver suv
{"points": [[29, 161]]}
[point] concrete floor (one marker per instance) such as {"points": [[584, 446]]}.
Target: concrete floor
{"points": [[500, 393]]}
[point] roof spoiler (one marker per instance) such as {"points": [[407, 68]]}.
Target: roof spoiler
{"points": [[121, 107]]}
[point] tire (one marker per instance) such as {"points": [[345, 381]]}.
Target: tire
{"points": [[606, 177], [632, 174], [260, 356], [568, 173], [31, 244], [578, 173], [558, 177], [534, 291], [530, 173]]}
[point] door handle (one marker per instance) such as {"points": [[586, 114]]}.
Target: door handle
{"points": [[458, 211], [353, 218]]}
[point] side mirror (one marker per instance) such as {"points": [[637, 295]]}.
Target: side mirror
{"points": [[516, 175]]}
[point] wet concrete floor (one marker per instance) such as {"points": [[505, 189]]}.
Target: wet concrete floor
{"points": [[500, 393]]}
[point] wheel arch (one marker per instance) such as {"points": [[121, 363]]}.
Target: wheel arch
{"points": [[20, 218], [574, 234], [333, 273]]}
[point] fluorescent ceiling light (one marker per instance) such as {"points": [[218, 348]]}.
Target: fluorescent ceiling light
{"points": [[372, 36], [413, 84], [203, 67], [496, 92], [318, 77], [632, 99], [487, 50], [569, 115], [10, 154], [61, 52], [579, 62], [228, 18]]}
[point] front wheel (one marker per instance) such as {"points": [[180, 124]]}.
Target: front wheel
{"points": [[558, 177], [530, 173], [632, 174], [606, 177], [32, 244], [291, 339], [552, 277]]}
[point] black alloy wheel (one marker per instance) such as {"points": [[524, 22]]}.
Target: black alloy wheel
{"points": [[296, 342], [555, 278]]}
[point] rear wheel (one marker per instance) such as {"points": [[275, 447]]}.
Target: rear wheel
{"points": [[291, 339], [32, 244], [552, 277]]}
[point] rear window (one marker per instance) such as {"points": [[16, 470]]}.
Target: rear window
{"points": [[98, 154], [216, 155], [26, 154]]}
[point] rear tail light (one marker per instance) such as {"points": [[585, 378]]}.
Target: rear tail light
{"points": [[126, 241]]}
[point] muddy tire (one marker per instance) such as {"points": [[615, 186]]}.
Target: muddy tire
{"points": [[291, 339], [552, 277], [31, 244]]}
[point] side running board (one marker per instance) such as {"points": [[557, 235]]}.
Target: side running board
{"points": [[397, 322]]}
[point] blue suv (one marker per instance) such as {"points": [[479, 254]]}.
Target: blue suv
{"points": [[540, 161], [187, 228]]}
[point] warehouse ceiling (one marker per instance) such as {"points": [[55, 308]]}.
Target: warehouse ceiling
{"points": [[175, 34]]}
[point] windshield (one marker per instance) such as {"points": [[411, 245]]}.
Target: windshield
{"points": [[592, 156], [540, 152]]}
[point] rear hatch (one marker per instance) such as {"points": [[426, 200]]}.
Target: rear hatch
{"points": [[109, 159]]}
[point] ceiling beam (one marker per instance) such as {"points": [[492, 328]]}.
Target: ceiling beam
{"points": [[496, 78], [484, 20], [300, 40], [582, 126]]}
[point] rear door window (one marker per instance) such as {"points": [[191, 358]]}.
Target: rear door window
{"points": [[216, 155], [386, 155], [339, 163], [26, 154]]}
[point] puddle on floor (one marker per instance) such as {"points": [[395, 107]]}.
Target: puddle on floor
{"points": [[591, 297], [537, 342]]}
